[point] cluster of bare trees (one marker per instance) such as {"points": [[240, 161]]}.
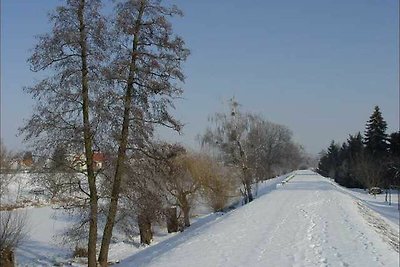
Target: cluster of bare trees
{"points": [[109, 81], [259, 148], [162, 183], [163, 188]]}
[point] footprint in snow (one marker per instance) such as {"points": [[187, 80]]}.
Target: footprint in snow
{"points": [[323, 260], [317, 252]]}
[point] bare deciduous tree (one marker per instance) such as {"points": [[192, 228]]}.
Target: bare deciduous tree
{"points": [[58, 184], [109, 84], [143, 200], [368, 171], [13, 231], [229, 137], [183, 181], [146, 68], [258, 147], [64, 114], [271, 148]]}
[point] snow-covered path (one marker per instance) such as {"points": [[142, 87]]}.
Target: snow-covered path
{"points": [[306, 222]]}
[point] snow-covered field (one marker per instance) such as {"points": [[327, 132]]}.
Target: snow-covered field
{"points": [[308, 221], [389, 213], [44, 245], [18, 189]]}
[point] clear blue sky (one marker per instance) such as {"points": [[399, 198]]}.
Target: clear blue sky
{"points": [[316, 66]]}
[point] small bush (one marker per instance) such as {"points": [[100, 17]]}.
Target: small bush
{"points": [[219, 183], [80, 252], [7, 258], [13, 229]]}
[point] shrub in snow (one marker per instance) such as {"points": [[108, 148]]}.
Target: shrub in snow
{"points": [[80, 252], [13, 231]]}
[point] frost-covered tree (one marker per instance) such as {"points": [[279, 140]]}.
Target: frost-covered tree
{"points": [[229, 136], [271, 149], [259, 148]]}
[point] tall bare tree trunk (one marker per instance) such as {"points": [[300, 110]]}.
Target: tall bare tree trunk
{"points": [[146, 235], [88, 142], [249, 192], [172, 220], [116, 188], [186, 211], [247, 185], [7, 258], [246, 174]]}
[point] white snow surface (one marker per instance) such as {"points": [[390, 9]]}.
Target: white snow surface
{"points": [[306, 222], [390, 213], [43, 246], [18, 188]]}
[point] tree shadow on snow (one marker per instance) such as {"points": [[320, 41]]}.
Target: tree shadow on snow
{"points": [[34, 253], [145, 256]]}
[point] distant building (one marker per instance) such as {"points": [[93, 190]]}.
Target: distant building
{"points": [[21, 164], [26, 163], [78, 161], [98, 160]]}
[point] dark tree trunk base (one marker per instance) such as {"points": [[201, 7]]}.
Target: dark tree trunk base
{"points": [[186, 216], [7, 258], [172, 220], [146, 235]]}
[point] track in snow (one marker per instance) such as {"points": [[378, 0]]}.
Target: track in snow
{"points": [[306, 222]]}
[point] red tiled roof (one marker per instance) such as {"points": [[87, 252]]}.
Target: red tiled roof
{"points": [[98, 156]]}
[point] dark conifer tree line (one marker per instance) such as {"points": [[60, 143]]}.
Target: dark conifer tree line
{"points": [[364, 161]]}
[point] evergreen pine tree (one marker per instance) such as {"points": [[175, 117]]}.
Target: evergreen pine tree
{"points": [[355, 144], [342, 172], [375, 134], [355, 150], [328, 164], [393, 172], [394, 144]]}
